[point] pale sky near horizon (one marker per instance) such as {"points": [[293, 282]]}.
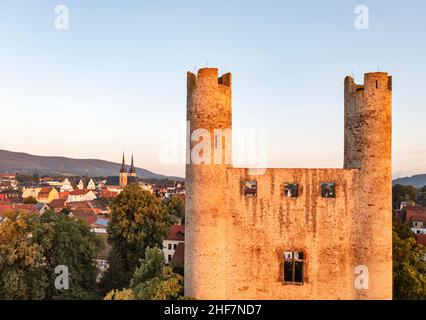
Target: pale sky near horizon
{"points": [[116, 80]]}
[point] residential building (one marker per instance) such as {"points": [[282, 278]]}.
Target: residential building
{"points": [[66, 186], [32, 208], [80, 207], [147, 187], [81, 195], [58, 205], [8, 181], [13, 195], [47, 195], [415, 217], [91, 185], [175, 236], [31, 192], [100, 225]]}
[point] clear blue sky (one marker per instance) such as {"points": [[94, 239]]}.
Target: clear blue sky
{"points": [[117, 79]]}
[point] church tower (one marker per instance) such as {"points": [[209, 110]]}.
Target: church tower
{"points": [[132, 170], [123, 174]]}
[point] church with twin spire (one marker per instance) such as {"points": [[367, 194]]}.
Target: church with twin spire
{"points": [[126, 176]]}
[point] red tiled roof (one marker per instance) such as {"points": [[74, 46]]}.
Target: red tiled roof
{"points": [[84, 215], [415, 213], [27, 207], [176, 232], [63, 195], [79, 192], [178, 257], [44, 192], [108, 194], [415, 217], [11, 207], [83, 205], [90, 219], [57, 204], [415, 208], [421, 238], [43, 195]]}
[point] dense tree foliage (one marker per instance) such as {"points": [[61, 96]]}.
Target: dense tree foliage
{"points": [[139, 220], [27, 179], [30, 200], [151, 281], [22, 274], [69, 242], [32, 246], [409, 265], [421, 196], [402, 193], [175, 207]]}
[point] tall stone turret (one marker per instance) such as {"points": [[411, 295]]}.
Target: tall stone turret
{"points": [[368, 139], [209, 114]]}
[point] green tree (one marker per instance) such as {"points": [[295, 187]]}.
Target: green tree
{"points": [[175, 207], [126, 294], [409, 265], [166, 286], [116, 276], [139, 220], [65, 211], [178, 268], [69, 242], [151, 281], [422, 196], [150, 267], [402, 193], [30, 200], [31, 247], [22, 273], [26, 179]]}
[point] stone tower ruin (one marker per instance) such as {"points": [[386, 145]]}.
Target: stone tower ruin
{"points": [[289, 233]]}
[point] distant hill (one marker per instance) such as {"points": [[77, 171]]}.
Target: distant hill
{"points": [[61, 166], [417, 181]]}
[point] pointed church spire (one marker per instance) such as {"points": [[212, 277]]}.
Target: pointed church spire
{"points": [[123, 166], [132, 167]]}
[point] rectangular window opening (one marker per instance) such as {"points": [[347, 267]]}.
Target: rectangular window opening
{"points": [[250, 188], [291, 190], [328, 190], [294, 267]]}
